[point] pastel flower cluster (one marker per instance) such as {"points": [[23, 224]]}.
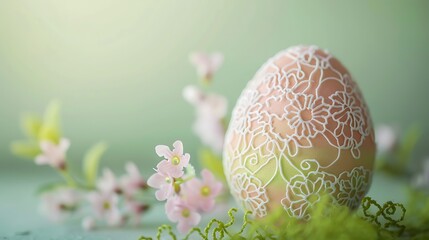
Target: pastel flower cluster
{"points": [[206, 64], [186, 196], [387, 138], [395, 152], [210, 108], [60, 204], [114, 201], [53, 154], [112, 193]]}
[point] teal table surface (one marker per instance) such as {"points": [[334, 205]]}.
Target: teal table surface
{"points": [[20, 218]]}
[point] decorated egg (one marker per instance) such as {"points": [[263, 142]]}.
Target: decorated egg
{"points": [[300, 129]]}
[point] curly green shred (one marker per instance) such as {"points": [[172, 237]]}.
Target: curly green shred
{"points": [[328, 221]]}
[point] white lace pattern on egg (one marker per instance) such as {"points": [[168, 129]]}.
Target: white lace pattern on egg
{"points": [[280, 114]]}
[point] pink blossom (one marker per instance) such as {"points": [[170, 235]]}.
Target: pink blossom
{"points": [[88, 223], [210, 113], [387, 139], [202, 193], [133, 180], [137, 209], [59, 204], [184, 214], [210, 104], [108, 183], [53, 154], [164, 179], [206, 64], [193, 94], [211, 132], [175, 156], [105, 207]]}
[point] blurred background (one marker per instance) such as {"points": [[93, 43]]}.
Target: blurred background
{"points": [[119, 67]]}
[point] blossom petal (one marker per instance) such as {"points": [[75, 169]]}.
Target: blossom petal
{"points": [[156, 180], [88, 223], [183, 227], [41, 159], [207, 176], [166, 168], [192, 94], [163, 151], [185, 160], [208, 205], [46, 146], [194, 218], [178, 147], [171, 209], [114, 218], [164, 192], [64, 144]]}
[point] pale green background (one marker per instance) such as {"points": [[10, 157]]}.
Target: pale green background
{"points": [[119, 67]]}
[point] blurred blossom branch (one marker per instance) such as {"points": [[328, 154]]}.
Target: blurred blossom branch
{"points": [[395, 151], [387, 138], [206, 64], [395, 156], [210, 112], [113, 200]]}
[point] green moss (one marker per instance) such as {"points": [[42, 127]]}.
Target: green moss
{"points": [[328, 221]]}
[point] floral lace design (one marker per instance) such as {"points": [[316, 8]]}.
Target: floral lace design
{"points": [[249, 191], [353, 186], [302, 98], [303, 191]]}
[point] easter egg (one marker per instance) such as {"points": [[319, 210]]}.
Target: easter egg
{"points": [[300, 129]]}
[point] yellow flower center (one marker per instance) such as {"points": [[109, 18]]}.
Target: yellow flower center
{"points": [[205, 191], [168, 180], [106, 205], [186, 213], [175, 160]]}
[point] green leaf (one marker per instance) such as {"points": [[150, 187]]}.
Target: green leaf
{"points": [[189, 171], [50, 129], [212, 162], [31, 125], [48, 187], [25, 149], [91, 161]]}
